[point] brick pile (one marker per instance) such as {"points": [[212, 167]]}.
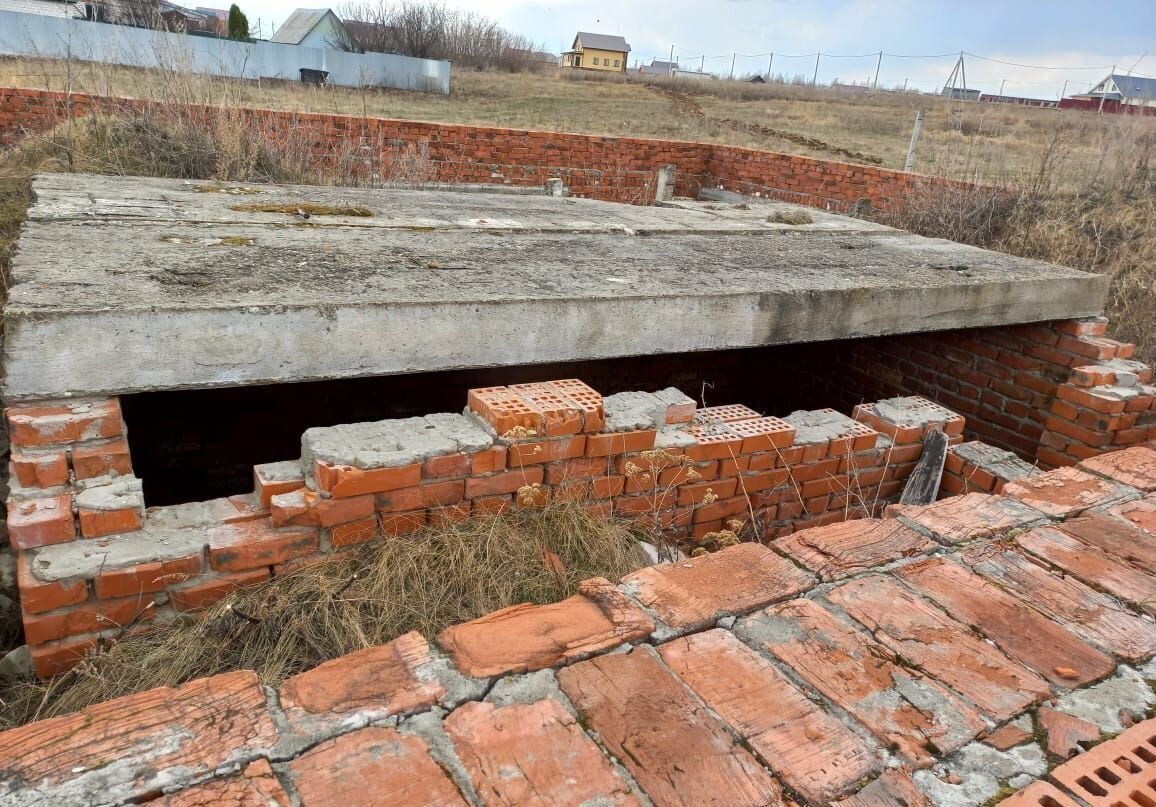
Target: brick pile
{"points": [[621, 169], [932, 656]]}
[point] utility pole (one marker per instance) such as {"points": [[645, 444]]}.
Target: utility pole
{"points": [[878, 64], [963, 75], [733, 55], [905, 84], [770, 63], [672, 55], [815, 78], [702, 64], [1002, 81], [1105, 92], [914, 141], [1064, 91]]}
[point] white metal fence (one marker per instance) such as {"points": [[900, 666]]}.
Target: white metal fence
{"points": [[50, 37]]}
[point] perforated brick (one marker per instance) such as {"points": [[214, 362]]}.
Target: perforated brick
{"points": [[731, 413], [586, 399], [763, 434], [560, 415], [713, 441], [1118, 773], [504, 410], [1039, 794]]}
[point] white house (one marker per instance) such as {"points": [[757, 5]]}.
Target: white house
{"points": [[312, 28], [1129, 90]]}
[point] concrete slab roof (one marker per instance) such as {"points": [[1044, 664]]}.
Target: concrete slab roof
{"points": [[127, 284]]}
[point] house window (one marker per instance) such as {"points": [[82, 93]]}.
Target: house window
{"points": [[595, 60], [616, 62]]}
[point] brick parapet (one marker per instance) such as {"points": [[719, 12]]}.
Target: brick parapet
{"points": [[894, 642]]}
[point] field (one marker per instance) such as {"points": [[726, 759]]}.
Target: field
{"points": [[1081, 184]]}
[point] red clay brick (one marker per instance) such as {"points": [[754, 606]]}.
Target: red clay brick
{"points": [[560, 415], [713, 441], [677, 752], [967, 518], [41, 522], [60, 425], [255, 786], [345, 481], [1008, 736], [491, 460], [90, 460], [508, 482], [861, 677], [524, 638], [1018, 630], [1064, 492], [370, 684], [304, 507], [1116, 772], [763, 434], [893, 789], [699, 492], [451, 465], [42, 470], [266, 488], [1090, 399], [1039, 794], [533, 754], [1093, 566], [1065, 732], [839, 550], [84, 618], [505, 410], [940, 646], [1135, 467], [542, 451], [577, 468], [428, 494], [53, 658], [604, 445], [730, 413], [146, 578], [204, 593], [1116, 538], [586, 399], [38, 596], [492, 505], [402, 523], [372, 766], [694, 593], [98, 523], [811, 751], [254, 544]]}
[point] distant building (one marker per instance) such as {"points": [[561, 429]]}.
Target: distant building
{"points": [[657, 68], [1123, 89], [692, 74], [603, 52], [185, 20], [960, 94], [313, 28], [756, 79], [531, 58], [46, 8]]}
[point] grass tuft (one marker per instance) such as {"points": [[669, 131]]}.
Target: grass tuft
{"points": [[349, 601]]}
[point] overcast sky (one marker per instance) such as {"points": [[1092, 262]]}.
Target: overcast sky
{"points": [[1053, 33]]}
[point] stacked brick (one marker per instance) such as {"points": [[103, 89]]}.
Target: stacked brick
{"points": [[617, 169], [977, 467], [891, 652]]}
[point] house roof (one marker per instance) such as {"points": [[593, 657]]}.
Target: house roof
{"points": [[602, 41], [300, 24], [1134, 86], [47, 8]]}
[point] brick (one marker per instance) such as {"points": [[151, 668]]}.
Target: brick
{"points": [[53, 658], [811, 751], [402, 523], [1091, 565], [61, 425], [763, 434], [893, 789], [253, 544], [722, 509], [1065, 732], [111, 458], [1008, 736], [40, 470], [525, 638], [903, 709], [586, 399], [730, 413], [202, 594], [492, 505], [450, 465], [372, 766], [1115, 538], [508, 482], [428, 494], [713, 441], [41, 522], [1118, 771], [505, 410], [270, 480], [304, 507], [38, 596], [1135, 467], [560, 416], [533, 754], [1018, 630], [677, 752], [1085, 612], [344, 480], [578, 468], [604, 445], [840, 550], [764, 480], [255, 786], [1141, 513], [85, 618], [1064, 492], [98, 523], [967, 518], [696, 592], [490, 461], [699, 492], [542, 451], [941, 647], [146, 578], [196, 728], [1090, 399], [366, 685]]}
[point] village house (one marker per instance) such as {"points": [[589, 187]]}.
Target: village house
{"points": [[312, 28], [603, 52]]}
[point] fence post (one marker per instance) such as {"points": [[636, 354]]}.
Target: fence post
{"points": [[914, 141]]}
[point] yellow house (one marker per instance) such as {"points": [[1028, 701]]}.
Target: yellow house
{"points": [[597, 52]]}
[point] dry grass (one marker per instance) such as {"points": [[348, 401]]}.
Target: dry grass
{"points": [[347, 602]]}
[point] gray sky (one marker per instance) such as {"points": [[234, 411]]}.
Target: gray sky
{"points": [[1052, 33]]}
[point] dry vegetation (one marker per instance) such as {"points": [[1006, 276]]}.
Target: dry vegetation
{"points": [[423, 582]]}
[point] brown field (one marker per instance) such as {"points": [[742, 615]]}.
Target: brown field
{"points": [[1083, 183]]}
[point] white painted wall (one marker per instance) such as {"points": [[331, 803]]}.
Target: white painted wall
{"points": [[49, 37]]}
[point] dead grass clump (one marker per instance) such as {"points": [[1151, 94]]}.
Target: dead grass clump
{"points": [[305, 209], [792, 217], [424, 582]]}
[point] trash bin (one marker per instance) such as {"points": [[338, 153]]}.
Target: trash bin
{"points": [[315, 77]]}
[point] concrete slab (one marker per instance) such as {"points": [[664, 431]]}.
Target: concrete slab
{"points": [[124, 284]]}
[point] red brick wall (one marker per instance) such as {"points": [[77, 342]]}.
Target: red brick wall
{"points": [[613, 168]]}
